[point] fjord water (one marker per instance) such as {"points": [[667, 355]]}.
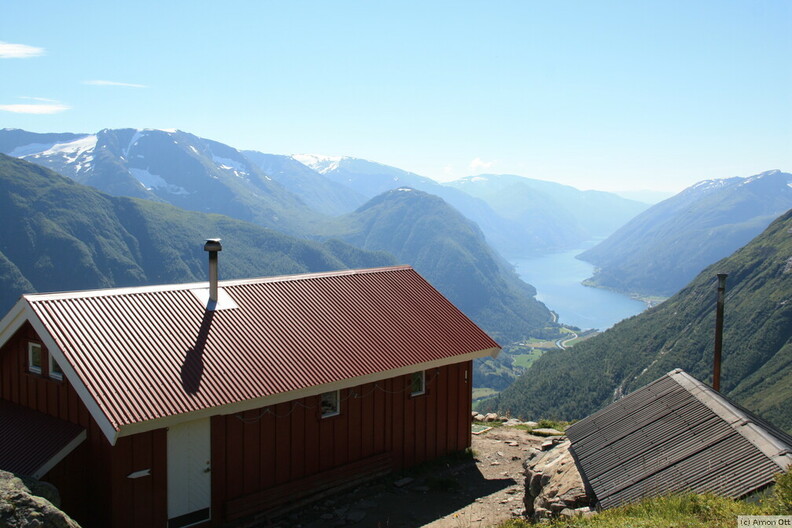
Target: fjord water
{"points": [[557, 278]]}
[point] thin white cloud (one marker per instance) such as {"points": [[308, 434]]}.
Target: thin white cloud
{"points": [[114, 83], [52, 108], [18, 51], [478, 165], [39, 99]]}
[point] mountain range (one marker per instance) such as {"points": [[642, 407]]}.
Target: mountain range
{"points": [[59, 235], [560, 216], [296, 194], [167, 166], [665, 247], [679, 333], [518, 216]]}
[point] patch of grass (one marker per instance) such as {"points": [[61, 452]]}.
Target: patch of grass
{"points": [[554, 424], [525, 360], [483, 392], [687, 510], [489, 424]]}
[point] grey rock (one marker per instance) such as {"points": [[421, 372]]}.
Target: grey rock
{"points": [[20, 508], [553, 483]]}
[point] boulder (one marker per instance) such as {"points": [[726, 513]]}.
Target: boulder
{"points": [[491, 417], [19, 507], [553, 483]]}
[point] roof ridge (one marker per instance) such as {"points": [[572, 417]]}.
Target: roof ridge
{"points": [[156, 288], [773, 443]]}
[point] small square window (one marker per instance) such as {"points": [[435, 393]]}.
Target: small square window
{"points": [[418, 383], [331, 404], [34, 358], [55, 371]]}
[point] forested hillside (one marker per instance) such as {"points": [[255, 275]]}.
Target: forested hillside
{"points": [[757, 349], [450, 251], [59, 235]]}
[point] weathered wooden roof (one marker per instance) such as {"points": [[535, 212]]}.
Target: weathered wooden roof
{"points": [[138, 355], [676, 434]]}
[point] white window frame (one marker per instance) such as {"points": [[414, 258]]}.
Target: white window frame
{"points": [[422, 390], [334, 412], [52, 374], [32, 368]]}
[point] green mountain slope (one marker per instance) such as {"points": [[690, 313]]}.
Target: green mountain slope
{"points": [[57, 235], [422, 230], [666, 246], [757, 350]]}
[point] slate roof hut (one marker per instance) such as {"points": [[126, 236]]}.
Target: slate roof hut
{"points": [[674, 435]]}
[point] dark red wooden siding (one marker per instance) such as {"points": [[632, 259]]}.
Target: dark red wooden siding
{"points": [[268, 447], [92, 479]]}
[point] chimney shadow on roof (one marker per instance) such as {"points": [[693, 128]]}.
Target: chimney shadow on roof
{"points": [[192, 368]]}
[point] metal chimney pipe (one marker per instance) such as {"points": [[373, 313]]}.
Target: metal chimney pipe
{"points": [[213, 246], [716, 362]]}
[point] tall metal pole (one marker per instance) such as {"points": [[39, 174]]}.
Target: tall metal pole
{"points": [[716, 363]]}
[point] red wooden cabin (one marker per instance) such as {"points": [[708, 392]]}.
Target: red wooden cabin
{"points": [[160, 406]]}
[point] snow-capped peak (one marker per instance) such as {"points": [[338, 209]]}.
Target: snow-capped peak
{"points": [[321, 164]]}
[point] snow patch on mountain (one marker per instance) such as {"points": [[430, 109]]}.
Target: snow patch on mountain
{"points": [[28, 150], [153, 181], [239, 169], [70, 150], [321, 164], [132, 142]]}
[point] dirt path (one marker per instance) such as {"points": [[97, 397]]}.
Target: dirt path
{"points": [[477, 493]]}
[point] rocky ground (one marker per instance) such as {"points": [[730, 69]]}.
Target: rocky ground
{"points": [[476, 492]]}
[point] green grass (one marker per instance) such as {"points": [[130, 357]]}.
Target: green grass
{"points": [[483, 392], [687, 510], [527, 359]]}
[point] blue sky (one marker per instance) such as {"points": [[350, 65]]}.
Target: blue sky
{"points": [[598, 95]]}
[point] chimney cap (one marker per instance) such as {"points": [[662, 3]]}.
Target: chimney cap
{"points": [[213, 244]]}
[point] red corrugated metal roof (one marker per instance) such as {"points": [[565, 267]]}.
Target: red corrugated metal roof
{"points": [[151, 352], [31, 442]]}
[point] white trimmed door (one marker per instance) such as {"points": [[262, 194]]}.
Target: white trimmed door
{"points": [[189, 473]]}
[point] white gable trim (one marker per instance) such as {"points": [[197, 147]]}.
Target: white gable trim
{"points": [[266, 401], [60, 455], [12, 321], [68, 371]]}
